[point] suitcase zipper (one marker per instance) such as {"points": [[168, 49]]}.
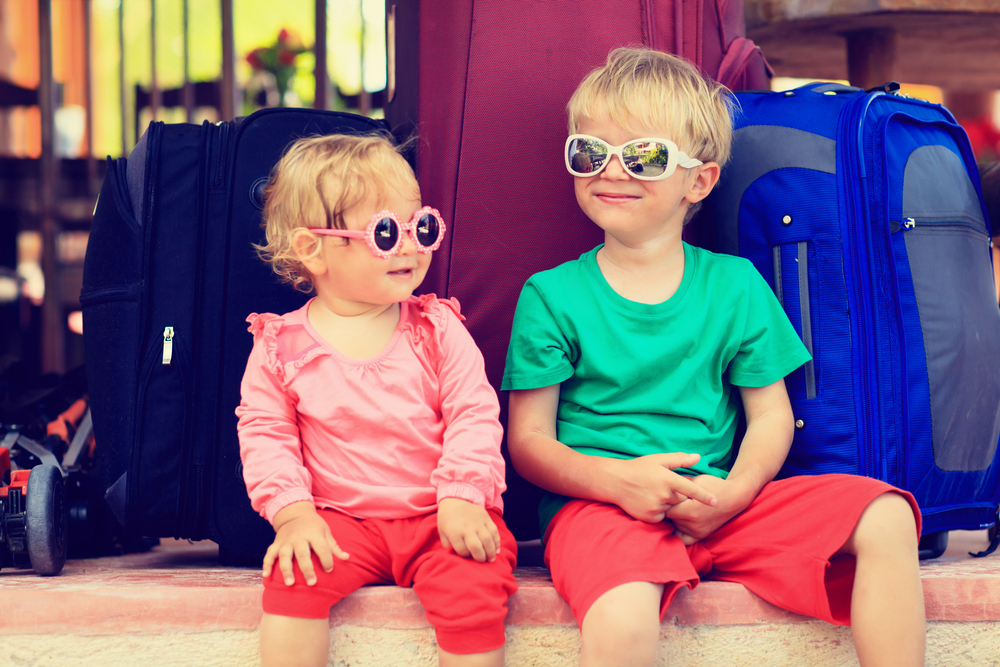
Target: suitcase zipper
{"points": [[168, 345], [937, 223], [854, 179], [884, 226], [220, 158]]}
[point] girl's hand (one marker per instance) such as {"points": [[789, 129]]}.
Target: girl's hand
{"points": [[299, 531], [468, 529]]}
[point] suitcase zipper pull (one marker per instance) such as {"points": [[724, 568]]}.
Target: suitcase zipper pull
{"points": [[168, 345], [909, 223]]}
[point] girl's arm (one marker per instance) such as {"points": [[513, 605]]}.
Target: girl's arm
{"points": [[471, 467], [270, 448], [277, 481], [644, 487]]}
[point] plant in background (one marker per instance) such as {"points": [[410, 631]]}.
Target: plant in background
{"points": [[277, 60]]}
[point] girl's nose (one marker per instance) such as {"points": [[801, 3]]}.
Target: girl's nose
{"points": [[407, 246]]}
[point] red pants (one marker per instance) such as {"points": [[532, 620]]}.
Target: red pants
{"points": [[779, 548], [465, 601]]}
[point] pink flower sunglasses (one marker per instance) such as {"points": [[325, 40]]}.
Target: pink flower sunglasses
{"points": [[426, 229]]}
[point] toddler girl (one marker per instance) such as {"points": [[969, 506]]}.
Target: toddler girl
{"points": [[368, 431]]}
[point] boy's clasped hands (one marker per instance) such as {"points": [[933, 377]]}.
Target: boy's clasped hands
{"points": [[649, 490]]}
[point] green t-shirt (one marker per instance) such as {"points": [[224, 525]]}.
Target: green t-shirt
{"points": [[640, 379]]}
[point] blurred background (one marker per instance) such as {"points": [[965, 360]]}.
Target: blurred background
{"points": [[80, 80]]}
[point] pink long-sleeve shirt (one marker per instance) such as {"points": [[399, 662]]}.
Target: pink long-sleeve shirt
{"points": [[385, 437]]}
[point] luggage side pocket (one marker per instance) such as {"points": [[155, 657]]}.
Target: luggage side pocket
{"points": [[947, 247], [791, 264], [161, 430], [111, 301]]}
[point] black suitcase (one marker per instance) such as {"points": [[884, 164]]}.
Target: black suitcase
{"points": [[169, 279]]}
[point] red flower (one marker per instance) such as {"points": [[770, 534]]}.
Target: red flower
{"points": [[286, 57], [254, 58], [282, 36]]}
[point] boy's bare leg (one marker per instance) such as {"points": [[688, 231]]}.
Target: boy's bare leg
{"points": [[492, 658], [298, 642], [887, 604], [622, 627]]}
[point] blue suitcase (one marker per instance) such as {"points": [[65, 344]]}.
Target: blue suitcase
{"points": [[169, 278], [863, 211]]}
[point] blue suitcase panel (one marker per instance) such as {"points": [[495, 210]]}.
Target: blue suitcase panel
{"points": [[863, 212]]}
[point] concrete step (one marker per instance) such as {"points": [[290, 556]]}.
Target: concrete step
{"points": [[176, 606]]}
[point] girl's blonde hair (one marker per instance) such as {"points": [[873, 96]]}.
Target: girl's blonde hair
{"points": [[325, 176], [647, 89]]}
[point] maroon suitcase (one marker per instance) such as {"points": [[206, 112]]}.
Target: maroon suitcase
{"points": [[485, 83]]}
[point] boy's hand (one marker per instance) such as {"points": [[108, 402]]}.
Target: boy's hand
{"points": [[695, 521], [648, 487], [299, 531], [468, 529]]}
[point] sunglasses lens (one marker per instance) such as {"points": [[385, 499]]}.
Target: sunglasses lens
{"points": [[647, 159], [386, 234], [428, 230], [586, 156]]}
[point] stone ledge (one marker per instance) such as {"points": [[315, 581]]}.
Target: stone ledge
{"points": [[178, 588]]}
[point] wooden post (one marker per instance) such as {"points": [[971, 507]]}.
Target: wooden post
{"points": [[89, 92], [322, 98], [154, 86], [227, 95], [364, 97], [121, 77], [53, 338], [188, 93], [871, 57]]}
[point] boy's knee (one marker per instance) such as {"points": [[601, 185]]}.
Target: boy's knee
{"points": [[625, 621], [886, 524]]}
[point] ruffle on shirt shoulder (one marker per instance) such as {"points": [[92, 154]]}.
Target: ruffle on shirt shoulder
{"points": [[287, 346], [429, 317]]}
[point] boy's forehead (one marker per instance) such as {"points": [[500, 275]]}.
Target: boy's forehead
{"points": [[600, 118]]}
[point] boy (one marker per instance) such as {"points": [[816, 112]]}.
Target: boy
{"points": [[621, 369]]}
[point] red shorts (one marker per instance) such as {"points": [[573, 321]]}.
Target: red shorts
{"points": [[465, 601], [779, 547]]}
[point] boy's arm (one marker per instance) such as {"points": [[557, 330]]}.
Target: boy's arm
{"points": [[770, 426], [644, 487]]}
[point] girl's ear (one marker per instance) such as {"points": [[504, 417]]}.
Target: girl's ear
{"points": [[703, 180], [306, 247]]}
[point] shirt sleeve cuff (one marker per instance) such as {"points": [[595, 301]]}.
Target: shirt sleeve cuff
{"points": [[462, 491], [283, 500]]}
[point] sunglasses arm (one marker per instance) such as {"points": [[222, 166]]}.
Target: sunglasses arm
{"points": [[343, 233]]}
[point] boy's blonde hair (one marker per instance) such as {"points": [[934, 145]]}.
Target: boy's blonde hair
{"points": [[649, 89], [325, 176]]}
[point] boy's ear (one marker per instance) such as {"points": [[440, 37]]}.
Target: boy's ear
{"points": [[704, 179], [305, 245]]}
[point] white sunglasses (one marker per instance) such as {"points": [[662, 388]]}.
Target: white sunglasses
{"points": [[648, 159]]}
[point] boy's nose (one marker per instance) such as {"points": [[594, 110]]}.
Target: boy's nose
{"points": [[615, 170]]}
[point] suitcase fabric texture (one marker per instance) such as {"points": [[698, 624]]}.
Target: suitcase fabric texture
{"points": [[485, 85], [863, 210], [169, 278]]}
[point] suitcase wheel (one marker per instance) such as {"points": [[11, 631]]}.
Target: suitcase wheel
{"points": [[933, 545]]}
